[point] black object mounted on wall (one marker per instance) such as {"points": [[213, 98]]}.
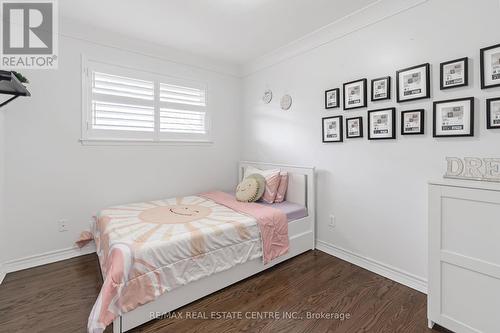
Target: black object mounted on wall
{"points": [[10, 85]]}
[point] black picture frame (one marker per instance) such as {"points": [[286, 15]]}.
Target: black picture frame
{"points": [[422, 122], [488, 113], [337, 90], [442, 86], [427, 67], [341, 129], [482, 51], [364, 96], [434, 115], [393, 115], [388, 86], [360, 127]]}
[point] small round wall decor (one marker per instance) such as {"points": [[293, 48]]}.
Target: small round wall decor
{"points": [[268, 96], [286, 102]]}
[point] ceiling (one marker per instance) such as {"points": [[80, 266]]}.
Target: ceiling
{"points": [[235, 31]]}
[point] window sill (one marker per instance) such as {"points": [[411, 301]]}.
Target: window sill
{"points": [[124, 142]]}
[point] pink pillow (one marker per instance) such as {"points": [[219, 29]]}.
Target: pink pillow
{"points": [[272, 177], [283, 186], [272, 184]]}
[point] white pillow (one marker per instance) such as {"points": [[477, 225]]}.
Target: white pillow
{"points": [[266, 173]]}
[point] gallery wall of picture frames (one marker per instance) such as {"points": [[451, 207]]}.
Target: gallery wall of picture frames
{"points": [[450, 117]]}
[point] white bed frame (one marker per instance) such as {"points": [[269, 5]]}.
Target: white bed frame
{"points": [[301, 189]]}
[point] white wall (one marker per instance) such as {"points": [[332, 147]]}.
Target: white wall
{"points": [[376, 190], [50, 175], [2, 219]]}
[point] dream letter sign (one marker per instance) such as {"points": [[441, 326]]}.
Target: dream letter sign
{"points": [[473, 168]]}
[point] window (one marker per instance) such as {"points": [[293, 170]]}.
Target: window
{"points": [[182, 109], [120, 104]]}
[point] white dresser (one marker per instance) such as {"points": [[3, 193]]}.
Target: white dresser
{"points": [[464, 256]]}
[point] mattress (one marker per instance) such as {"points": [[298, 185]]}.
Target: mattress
{"points": [[293, 211], [147, 249]]}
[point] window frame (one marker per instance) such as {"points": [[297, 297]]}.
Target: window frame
{"points": [[90, 136]]}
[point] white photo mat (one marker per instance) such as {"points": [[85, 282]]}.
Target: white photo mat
{"points": [[381, 124], [332, 98], [491, 66], [413, 83], [493, 115], [354, 127], [332, 129], [454, 73], [412, 122], [355, 94], [454, 118]]}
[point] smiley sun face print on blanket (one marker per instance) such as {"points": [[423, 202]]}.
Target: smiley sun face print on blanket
{"points": [[161, 220], [147, 249], [175, 214]]}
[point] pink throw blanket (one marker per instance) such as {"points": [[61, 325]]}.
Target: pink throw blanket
{"points": [[272, 223]]}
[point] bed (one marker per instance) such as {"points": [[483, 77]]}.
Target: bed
{"points": [[230, 247]]}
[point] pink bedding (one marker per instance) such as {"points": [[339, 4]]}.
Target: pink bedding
{"points": [[148, 249], [272, 223]]}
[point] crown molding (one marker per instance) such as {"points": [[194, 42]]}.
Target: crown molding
{"points": [[78, 31], [365, 17]]}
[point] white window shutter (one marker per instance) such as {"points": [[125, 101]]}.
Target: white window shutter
{"points": [[121, 103], [128, 105], [182, 110]]}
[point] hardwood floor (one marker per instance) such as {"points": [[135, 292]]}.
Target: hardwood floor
{"points": [[58, 298]]}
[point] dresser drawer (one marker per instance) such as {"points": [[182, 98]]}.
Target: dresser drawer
{"points": [[464, 258], [470, 223]]}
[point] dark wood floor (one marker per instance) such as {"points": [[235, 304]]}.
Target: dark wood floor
{"points": [[58, 298]]}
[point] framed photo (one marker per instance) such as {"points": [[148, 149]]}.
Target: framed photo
{"points": [[490, 66], [355, 94], [493, 113], [454, 73], [332, 98], [412, 122], [382, 124], [381, 88], [354, 127], [454, 117], [413, 83], [332, 129]]}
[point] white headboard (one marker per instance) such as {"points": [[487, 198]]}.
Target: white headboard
{"points": [[301, 182]]}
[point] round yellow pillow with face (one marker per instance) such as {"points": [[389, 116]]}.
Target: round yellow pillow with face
{"points": [[251, 188], [262, 184]]}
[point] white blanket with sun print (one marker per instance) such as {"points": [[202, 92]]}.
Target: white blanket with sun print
{"points": [[147, 249]]}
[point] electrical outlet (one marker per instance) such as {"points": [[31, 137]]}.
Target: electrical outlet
{"points": [[331, 224], [63, 225]]}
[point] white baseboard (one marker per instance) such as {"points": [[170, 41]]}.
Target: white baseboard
{"points": [[44, 258], [2, 273], [388, 271]]}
